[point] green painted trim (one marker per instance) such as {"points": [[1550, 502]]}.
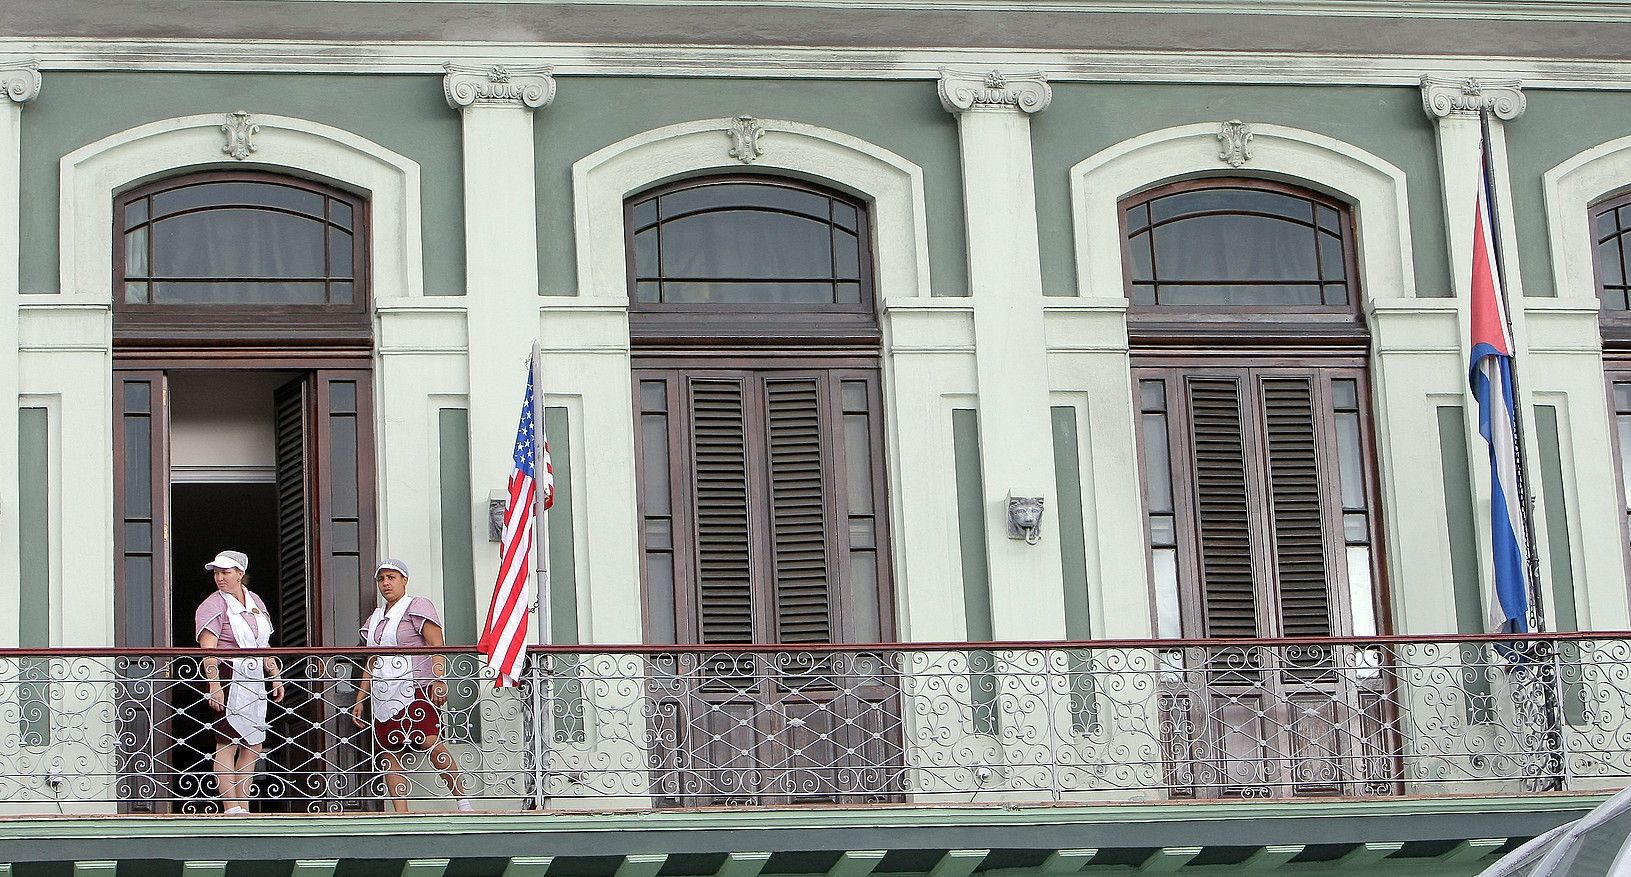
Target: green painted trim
{"points": [[1367, 854], [642, 865], [1067, 470], [458, 551], [1563, 615], [212, 868], [34, 528], [1472, 850], [1067, 861], [95, 869], [424, 867], [318, 868], [743, 865], [528, 866], [563, 576], [1461, 518], [854, 863], [958, 863], [965, 440], [1169, 859]]}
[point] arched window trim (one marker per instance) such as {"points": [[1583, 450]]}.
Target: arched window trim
{"points": [[1615, 323], [166, 324], [1320, 326], [786, 327]]}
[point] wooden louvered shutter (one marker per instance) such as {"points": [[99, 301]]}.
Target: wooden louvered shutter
{"points": [[798, 524], [343, 536], [723, 531], [1295, 515], [1222, 508], [291, 434]]}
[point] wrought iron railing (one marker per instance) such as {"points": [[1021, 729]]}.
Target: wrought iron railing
{"points": [[99, 730]]}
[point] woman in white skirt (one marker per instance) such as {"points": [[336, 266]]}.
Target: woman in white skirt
{"points": [[234, 617]]}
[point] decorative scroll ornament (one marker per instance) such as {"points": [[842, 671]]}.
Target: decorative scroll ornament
{"points": [[964, 90], [498, 86], [1235, 139], [745, 132], [20, 82], [240, 132], [1468, 97]]}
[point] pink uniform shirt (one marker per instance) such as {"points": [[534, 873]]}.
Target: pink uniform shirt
{"points": [[212, 616], [411, 632]]}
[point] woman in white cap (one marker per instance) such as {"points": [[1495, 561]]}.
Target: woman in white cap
{"points": [[405, 693], [234, 617]]}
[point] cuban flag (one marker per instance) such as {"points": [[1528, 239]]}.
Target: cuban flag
{"points": [[1491, 378]]}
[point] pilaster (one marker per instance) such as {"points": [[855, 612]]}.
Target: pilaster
{"points": [[496, 105], [20, 84], [993, 112]]}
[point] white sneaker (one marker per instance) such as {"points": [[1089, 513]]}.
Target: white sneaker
{"points": [[237, 811]]}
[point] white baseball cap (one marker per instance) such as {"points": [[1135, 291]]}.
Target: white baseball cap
{"points": [[392, 563], [229, 560]]}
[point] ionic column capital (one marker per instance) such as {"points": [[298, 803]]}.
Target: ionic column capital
{"points": [[498, 86], [1443, 98], [964, 91], [20, 82]]}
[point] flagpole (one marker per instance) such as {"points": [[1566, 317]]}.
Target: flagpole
{"points": [[540, 678], [1526, 498]]}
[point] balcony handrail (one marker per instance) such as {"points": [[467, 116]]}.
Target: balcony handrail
{"points": [[897, 646]]}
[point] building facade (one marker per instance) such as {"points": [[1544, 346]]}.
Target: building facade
{"points": [[1126, 342]]}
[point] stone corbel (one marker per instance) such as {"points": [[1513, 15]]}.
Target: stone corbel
{"points": [[498, 86], [962, 91], [20, 82], [1443, 98]]}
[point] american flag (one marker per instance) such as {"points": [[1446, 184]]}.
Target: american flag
{"points": [[504, 639]]}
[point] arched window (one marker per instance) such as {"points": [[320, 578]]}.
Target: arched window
{"points": [[1611, 233], [1253, 405], [1240, 243], [756, 380], [240, 250]]}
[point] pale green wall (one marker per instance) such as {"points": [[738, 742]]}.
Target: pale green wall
{"points": [[403, 113], [1556, 126], [903, 117], [1087, 117]]}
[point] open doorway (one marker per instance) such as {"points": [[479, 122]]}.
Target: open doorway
{"points": [[223, 488]]}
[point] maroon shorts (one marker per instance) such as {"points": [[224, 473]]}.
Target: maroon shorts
{"points": [[411, 728]]}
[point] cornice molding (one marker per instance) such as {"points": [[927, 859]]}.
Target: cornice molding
{"points": [[20, 82], [963, 90], [1442, 98], [497, 85]]}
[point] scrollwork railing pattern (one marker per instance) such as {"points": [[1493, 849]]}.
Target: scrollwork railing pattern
{"points": [[694, 726]]}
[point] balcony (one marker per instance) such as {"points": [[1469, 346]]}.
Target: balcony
{"points": [[598, 728]]}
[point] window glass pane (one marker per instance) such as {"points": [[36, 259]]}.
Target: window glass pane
{"points": [[242, 292], [712, 197], [653, 396], [1350, 462], [1157, 463], [660, 534], [138, 463], [1152, 395], [846, 255], [863, 576], [858, 463], [1138, 259], [1163, 531], [844, 216], [854, 397], [1359, 591], [1234, 248], [1622, 397], [645, 213], [1240, 294], [654, 474], [1143, 294], [238, 192], [1345, 393], [1329, 219], [741, 244], [341, 292], [1332, 264], [136, 212], [1625, 454], [1609, 268], [1355, 527], [136, 253], [1138, 218], [1336, 293], [1605, 224], [343, 397], [1233, 201], [339, 213], [135, 293], [238, 243], [863, 532], [645, 253], [847, 293], [747, 293], [648, 291], [138, 397], [1168, 620], [660, 597], [340, 256]]}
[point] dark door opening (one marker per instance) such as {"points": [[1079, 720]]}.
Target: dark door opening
{"points": [[206, 519]]}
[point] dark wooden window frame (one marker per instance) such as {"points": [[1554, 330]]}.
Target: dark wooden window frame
{"points": [[707, 324], [1180, 325], [1615, 323], [340, 328]]}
